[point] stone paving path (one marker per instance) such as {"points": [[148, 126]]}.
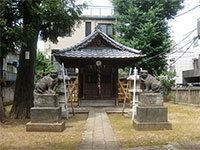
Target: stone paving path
{"points": [[98, 133]]}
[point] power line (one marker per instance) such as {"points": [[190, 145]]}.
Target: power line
{"points": [[186, 36], [172, 46], [191, 40], [187, 11], [189, 33], [182, 54]]}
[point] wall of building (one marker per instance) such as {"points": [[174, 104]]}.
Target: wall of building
{"points": [[8, 95], [77, 35], [10, 63], [183, 56]]}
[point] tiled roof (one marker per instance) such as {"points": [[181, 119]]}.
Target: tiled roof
{"points": [[94, 52], [82, 50]]}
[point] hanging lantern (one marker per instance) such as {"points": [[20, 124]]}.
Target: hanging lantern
{"points": [[99, 63]]}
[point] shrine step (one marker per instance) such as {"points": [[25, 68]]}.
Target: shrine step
{"points": [[96, 103]]}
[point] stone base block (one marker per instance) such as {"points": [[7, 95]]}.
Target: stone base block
{"points": [[142, 126], [150, 99], [61, 103], [45, 100], [45, 127], [152, 114], [45, 114]]}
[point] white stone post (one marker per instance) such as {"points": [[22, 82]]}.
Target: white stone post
{"points": [[135, 89], [135, 102], [65, 90]]}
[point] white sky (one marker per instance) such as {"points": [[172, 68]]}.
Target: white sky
{"points": [[179, 26]]}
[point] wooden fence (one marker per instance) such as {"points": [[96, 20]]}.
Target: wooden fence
{"points": [[122, 84], [74, 91], [121, 91], [188, 95]]}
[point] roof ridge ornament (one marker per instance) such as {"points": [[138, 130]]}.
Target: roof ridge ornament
{"points": [[98, 28]]}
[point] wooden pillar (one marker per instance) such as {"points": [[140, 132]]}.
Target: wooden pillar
{"points": [[80, 84], [189, 94], [115, 85]]}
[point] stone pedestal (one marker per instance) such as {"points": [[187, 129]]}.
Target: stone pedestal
{"points": [[149, 99], [151, 114], [61, 103], [45, 127], [46, 115], [45, 100]]}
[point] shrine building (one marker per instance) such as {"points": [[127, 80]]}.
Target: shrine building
{"points": [[98, 58]]}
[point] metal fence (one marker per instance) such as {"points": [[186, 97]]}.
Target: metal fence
{"points": [[93, 10]]}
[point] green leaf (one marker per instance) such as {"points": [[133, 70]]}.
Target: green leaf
{"points": [[142, 24]]}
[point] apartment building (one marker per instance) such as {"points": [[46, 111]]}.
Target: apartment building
{"points": [[185, 58], [95, 15]]}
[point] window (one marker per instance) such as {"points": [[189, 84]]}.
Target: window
{"points": [[195, 41], [87, 28], [107, 28], [66, 33]]}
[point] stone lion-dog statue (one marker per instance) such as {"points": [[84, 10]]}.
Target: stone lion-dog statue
{"points": [[149, 83], [47, 83]]}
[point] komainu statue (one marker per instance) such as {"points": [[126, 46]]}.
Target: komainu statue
{"points": [[47, 83], [149, 83], [60, 87]]}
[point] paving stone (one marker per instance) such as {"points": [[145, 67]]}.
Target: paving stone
{"points": [[98, 133]]}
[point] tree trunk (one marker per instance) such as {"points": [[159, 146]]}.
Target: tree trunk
{"points": [[23, 97], [2, 113]]}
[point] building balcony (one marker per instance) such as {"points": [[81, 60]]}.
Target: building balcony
{"points": [[98, 11], [191, 76]]}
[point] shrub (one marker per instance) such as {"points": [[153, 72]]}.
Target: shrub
{"points": [[167, 79], [43, 66]]}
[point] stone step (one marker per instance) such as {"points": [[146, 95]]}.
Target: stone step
{"points": [[96, 103]]}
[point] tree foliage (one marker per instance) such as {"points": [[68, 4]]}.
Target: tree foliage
{"points": [[43, 66], [26, 20], [142, 24], [167, 79], [23, 19], [10, 32]]}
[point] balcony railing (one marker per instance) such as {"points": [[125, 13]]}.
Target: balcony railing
{"points": [[92, 10]]}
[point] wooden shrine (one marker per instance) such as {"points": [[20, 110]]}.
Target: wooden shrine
{"points": [[98, 58]]}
